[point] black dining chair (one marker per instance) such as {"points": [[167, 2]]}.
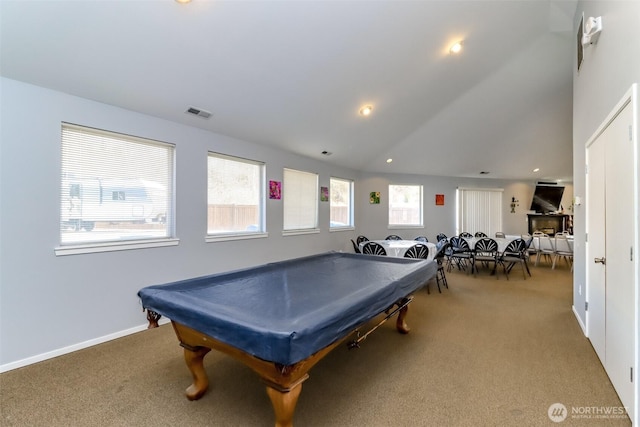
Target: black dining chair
{"points": [[441, 236], [422, 239], [373, 248], [356, 249], [466, 235], [420, 251], [480, 234], [485, 251], [441, 250], [417, 251], [361, 239], [393, 237], [460, 253], [515, 253]]}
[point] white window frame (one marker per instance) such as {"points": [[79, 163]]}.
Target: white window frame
{"points": [[294, 194], [94, 138], [244, 234], [350, 220], [484, 205], [420, 206]]}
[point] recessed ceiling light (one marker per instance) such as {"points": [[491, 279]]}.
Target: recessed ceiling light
{"points": [[366, 110], [536, 170], [183, 1], [456, 47], [389, 160]]}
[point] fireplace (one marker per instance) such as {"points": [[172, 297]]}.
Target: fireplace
{"points": [[550, 224]]}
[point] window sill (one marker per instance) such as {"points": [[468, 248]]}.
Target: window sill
{"points": [[114, 246], [334, 229], [299, 232], [230, 237]]}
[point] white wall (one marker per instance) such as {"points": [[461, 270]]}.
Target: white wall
{"points": [[609, 69], [373, 219], [49, 303]]}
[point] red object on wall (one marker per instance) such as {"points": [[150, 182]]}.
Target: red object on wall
{"points": [[439, 199]]}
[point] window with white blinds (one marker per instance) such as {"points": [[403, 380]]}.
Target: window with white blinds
{"points": [[341, 203], [114, 187], [235, 195], [479, 210], [300, 200]]}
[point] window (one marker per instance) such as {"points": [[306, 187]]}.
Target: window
{"points": [[114, 188], [300, 201], [405, 205], [479, 210], [340, 203], [235, 196]]}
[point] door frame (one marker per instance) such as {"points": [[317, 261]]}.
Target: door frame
{"points": [[630, 97]]}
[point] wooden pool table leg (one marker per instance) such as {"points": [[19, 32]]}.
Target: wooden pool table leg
{"points": [[194, 357], [284, 404]]}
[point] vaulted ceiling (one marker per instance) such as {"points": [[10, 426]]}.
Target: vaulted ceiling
{"points": [[293, 75]]}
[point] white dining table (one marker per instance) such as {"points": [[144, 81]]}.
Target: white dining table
{"points": [[502, 242], [398, 248]]}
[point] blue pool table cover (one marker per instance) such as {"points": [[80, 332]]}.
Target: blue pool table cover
{"points": [[286, 311]]}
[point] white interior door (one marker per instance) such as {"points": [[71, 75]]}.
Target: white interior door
{"points": [[611, 227], [620, 229], [595, 247]]}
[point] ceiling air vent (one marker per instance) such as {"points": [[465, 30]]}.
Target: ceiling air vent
{"points": [[198, 112]]}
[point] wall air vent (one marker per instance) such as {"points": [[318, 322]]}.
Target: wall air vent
{"points": [[198, 112], [546, 183]]}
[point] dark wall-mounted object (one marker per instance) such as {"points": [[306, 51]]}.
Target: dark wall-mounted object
{"points": [[547, 199]]}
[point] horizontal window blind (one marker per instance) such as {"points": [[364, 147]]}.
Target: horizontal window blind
{"points": [[300, 200], [114, 187]]}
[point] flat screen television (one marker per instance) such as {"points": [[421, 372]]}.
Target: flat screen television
{"points": [[546, 199]]}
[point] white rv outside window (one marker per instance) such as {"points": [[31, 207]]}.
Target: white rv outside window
{"points": [[116, 191], [235, 198]]}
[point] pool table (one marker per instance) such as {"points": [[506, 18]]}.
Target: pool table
{"points": [[282, 318]]}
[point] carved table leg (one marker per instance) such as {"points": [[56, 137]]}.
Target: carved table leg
{"points": [[401, 325], [194, 357], [153, 318], [284, 404]]}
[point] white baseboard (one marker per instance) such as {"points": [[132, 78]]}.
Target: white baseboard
{"points": [[75, 347], [582, 325]]}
